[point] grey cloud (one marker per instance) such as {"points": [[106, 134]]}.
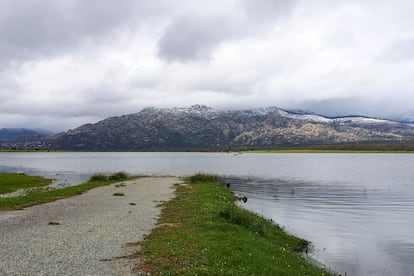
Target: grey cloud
{"points": [[381, 108], [335, 107], [191, 37], [36, 28], [267, 10], [399, 51], [48, 122], [36, 112]]}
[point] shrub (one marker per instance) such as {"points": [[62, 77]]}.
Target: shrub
{"points": [[201, 177], [113, 177], [118, 176], [98, 177]]}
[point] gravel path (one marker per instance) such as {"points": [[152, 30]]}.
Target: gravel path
{"points": [[93, 231]]}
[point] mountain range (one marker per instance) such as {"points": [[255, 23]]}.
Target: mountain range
{"points": [[8, 135], [201, 127]]}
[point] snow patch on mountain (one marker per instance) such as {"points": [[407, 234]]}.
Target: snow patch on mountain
{"points": [[343, 120], [210, 113], [313, 118]]}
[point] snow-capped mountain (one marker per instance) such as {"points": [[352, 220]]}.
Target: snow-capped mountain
{"points": [[201, 127], [208, 112]]}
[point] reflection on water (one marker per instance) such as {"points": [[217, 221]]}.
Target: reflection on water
{"points": [[357, 209], [354, 230]]}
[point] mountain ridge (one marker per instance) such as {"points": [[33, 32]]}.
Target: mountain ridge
{"points": [[202, 127], [8, 135]]}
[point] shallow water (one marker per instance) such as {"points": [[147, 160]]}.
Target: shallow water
{"points": [[358, 231], [356, 209]]}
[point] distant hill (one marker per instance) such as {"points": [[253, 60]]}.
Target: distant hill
{"points": [[201, 127], [9, 135]]}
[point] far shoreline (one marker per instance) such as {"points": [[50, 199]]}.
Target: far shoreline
{"points": [[233, 151]]}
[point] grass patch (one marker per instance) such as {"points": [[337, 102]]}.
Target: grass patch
{"points": [[10, 182], [43, 196], [203, 232]]}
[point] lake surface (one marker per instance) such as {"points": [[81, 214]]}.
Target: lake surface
{"points": [[356, 209]]}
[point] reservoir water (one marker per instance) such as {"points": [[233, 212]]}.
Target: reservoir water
{"points": [[356, 209]]}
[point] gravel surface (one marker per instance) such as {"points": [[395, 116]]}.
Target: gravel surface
{"points": [[89, 234]]}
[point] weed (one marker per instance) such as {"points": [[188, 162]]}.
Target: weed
{"points": [[118, 176], [98, 177], [119, 194], [201, 177], [54, 223]]}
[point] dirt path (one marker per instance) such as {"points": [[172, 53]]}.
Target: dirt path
{"points": [[82, 235]]}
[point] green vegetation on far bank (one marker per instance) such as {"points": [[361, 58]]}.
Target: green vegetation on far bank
{"points": [[362, 147], [203, 232], [40, 196], [390, 147], [320, 151]]}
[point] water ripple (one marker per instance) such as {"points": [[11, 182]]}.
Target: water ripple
{"points": [[353, 229]]}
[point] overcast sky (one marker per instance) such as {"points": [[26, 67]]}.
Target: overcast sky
{"points": [[64, 63]]}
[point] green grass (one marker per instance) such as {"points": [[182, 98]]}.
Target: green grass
{"points": [[47, 195], [203, 232], [10, 182]]}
